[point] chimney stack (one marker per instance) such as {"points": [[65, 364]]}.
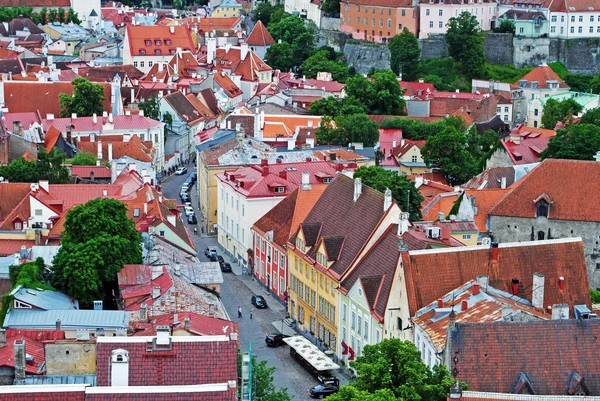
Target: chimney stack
{"points": [[119, 368], [475, 289], [464, 305], [110, 152], [283, 173], [503, 182], [264, 162], [507, 311], [265, 170], [306, 181], [440, 303], [144, 313], [537, 293], [561, 283], [387, 202], [403, 226], [494, 248], [20, 359], [357, 188], [560, 311], [445, 233], [186, 323], [113, 172], [99, 155], [514, 286], [2, 338], [58, 325]]}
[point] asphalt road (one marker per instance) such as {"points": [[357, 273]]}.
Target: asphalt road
{"points": [[235, 293]]}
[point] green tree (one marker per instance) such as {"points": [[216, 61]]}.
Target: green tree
{"points": [[73, 17], [86, 99], [506, 26], [403, 190], [52, 15], [61, 15], [380, 95], [396, 366], [293, 30], [264, 389], [264, 10], [98, 239], [555, 111], [328, 133], [405, 54], [448, 151], [44, 16], [465, 44], [577, 142], [83, 159], [357, 128], [331, 8], [279, 56], [151, 108], [333, 107], [320, 62], [591, 116], [351, 393], [48, 166]]}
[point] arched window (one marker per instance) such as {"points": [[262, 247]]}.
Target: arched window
{"points": [[542, 208], [540, 235]]}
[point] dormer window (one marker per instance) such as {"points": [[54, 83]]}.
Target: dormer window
{"points": [[18, 225], [542, 208], [143, 52], [300, 244], [157, 52], [321, 259], [172, 51], [136, 212], [168, 42], [279, 190], [157, 42], [327, 180], [148, 42]]}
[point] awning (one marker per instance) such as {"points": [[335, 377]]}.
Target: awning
{"points": [[311, 353]]}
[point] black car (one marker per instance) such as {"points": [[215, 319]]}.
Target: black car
{"points": [[225, 267], [323, 390], [216, 258], [259, 301], [274, 340], [192, 219], [193, 176]]}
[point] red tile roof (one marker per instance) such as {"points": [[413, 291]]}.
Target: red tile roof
{"points": [[260, 36], [134, 148], [417, 239], [562, 181], [18, 95], [51, 137], [200, 325], [542, 74], [11, 194], [229, 87], [86, 171], [430, 274], [33, 348], [156, 38], [209, 24], [284, 218], [187, 362], [87, 123], [27, 155], [231, 62], [416, 88], [485, 199], [184, 109], [555, 357]]}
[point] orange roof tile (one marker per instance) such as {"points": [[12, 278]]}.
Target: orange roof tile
{"points": [[485, 199], [542, 74], [29, 156], [148, 40], [230, 88], [260, 36], [51, 138], [286, 124], [134, 148]]}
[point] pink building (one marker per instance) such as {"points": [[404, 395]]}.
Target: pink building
{"points": [[435, 14]]}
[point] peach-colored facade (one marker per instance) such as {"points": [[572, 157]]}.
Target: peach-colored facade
{"points": [[377, 21], [435, 14]]}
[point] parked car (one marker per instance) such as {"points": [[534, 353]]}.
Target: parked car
{"points": [[185, 197], [192, 219], [185, 187], [181, 171], [217, 258], [259, 301], [189, 211], [274, 340], [225, 267], [189, 181], [194, 176], [211, 250], [323, 390]]}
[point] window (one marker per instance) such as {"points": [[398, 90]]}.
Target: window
{"points": [[377, 336], [381, 11], [321, 279], [307, 294], [357, 8], [162, 233], [366, 21], [389, 25], [389, 11], [157, 52], [372, 21], [521, 30], [321, 305], [380, 23], [332, 313], [282, 284], [353, 320], [349, 20], [149, 63], [136, 212], [281, 259], [366, 330], [243, 235], [440, 12], [344, 311], [572, 18], [243, 209], [38, 212], [536, 112], [142, 52], [313, 298], [18, 225], [466, 236], [414, 159], [343, 334], [591, 29], [427, 12], [404, 13], [148, 42], [598, 29], [275, 281], [135, 64], [359, 324], [542, 208], [498, 109], [399, 323], [581, 18], [431, 24], [440, 24], [506, 109], [358, 20], [279, 190], [553, 18], [562, 18], [591, 18], [399, 26], [167, 42], [553, 29]]}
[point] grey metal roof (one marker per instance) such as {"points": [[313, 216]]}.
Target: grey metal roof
{"points": [[70, 319], [58, 379], [44, 299], [46, 252]]}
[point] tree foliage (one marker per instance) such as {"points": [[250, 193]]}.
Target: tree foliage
{"points": [[83, 159], [591, 116], [264, 11], [395, 366], [151, 108], [347, 128], [577, 142], [555, 111], [404, 54], [465, 44], [506, 26], [98, 239], [448, 151], [332, 106], [320, 62], [292, 30], [380, 95], [403, 190], [331, 8], [417, 129], [86, 99], [48, 166]]}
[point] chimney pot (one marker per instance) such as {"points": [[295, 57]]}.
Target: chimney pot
{"points": [[464, 305], [357, 188], [265, 170], [514, 286], [561, 283], [440, 303], [20, 359], [494, 247], [58, 325], [476, 288], [144, 313], [537, 292], [186, 323]]}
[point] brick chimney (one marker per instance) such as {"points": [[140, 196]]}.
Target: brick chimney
{"points": [[144, 313], [494, 251], [357, 188], [445, 233], [475, 289], [119, 368], [186, 323], [514, 286], [560, 311], [265, 170], [561, 283], [464, 305], [283, 174]]}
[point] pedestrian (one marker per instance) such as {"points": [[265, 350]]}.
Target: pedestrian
{"points": [[195, 230], [240, 312], [251, 313], [202, 229]]}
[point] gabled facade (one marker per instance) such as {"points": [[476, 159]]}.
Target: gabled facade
{"points": [[188, 121], [409, 158], [435, 14], [260, 39]]}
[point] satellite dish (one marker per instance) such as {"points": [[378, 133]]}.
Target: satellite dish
{"points": [[149, 244], [486, 241]]}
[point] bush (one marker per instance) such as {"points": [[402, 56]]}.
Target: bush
{"points": [[595, 294]]}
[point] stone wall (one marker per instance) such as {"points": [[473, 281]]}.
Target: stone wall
{"points": [[70, 358], [335, 39], [365, 57], [580, 56], [330, 24], [530, 52], [433, 47], [498, 48]]}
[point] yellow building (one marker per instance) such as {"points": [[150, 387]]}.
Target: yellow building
{"points": [[227, 9], [343, 224], [410, 160]]}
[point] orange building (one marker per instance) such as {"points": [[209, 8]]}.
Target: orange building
{"points": [[378, 20]]}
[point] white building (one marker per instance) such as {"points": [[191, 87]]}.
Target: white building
{"points": [[573, 19], [435, 14]]}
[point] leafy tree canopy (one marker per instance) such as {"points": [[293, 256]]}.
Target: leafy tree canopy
{"points": [[98, 239], [279, 56], [465, 44], [577, 142], [403, 190], [298, 35], [506, 26], [380, 95], [347, 128], [405, 54], [48, 166], [555, 111], [591, 116], [320, 62], [448, 151], [151, 108], [333, 107], [417, 129], [83, 159], [396, 366], [265, 10], [86, 99]]}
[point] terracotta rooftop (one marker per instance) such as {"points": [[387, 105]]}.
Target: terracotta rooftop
{"points": [[485, 306], [184, 109], [553, 357], [158, 40], [542, 75], [231, 61], [284, 218], [562, 181], [484, 201], [430, 274], [260, 36], [200, 325], [134, 148]]}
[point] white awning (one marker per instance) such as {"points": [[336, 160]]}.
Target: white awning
{"points": [[311, 353]]}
